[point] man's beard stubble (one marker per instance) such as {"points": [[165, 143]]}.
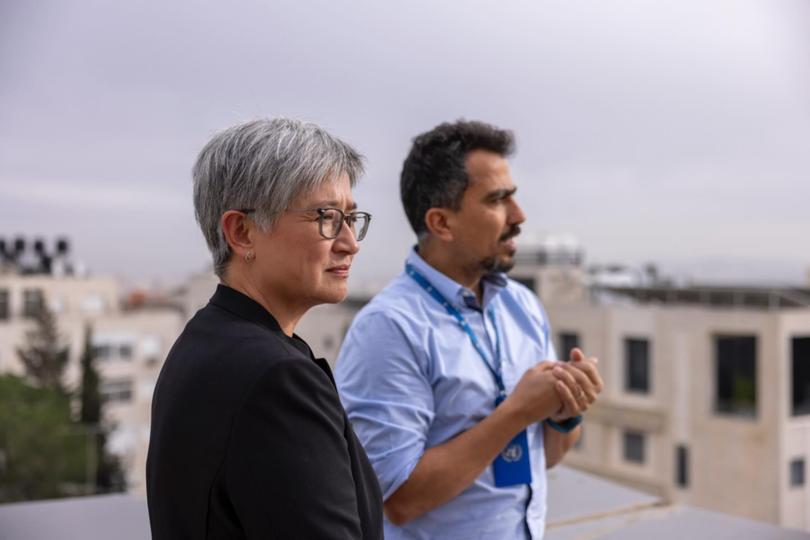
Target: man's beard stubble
{"points": [[491, 265]]}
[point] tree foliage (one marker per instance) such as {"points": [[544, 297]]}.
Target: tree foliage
{"points": [[43, 454], [108, 473], [90, 395], [44, 451], [43, 355]]}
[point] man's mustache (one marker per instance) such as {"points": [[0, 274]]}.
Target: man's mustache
{"points": [[514, 230]]}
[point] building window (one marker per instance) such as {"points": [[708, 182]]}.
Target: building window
{"points": [[102, 351], [568, 341], [116, 391], [33, 302], [5, 312], [637, 365], [797, 472], [682, 466], [125, 351], [800, 353], [736, 372], [634, 446]]}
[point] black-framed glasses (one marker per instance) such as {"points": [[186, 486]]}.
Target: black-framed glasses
{"points": [[331, 220]]}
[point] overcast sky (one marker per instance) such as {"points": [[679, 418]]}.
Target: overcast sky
{"points": [[669, 131]]}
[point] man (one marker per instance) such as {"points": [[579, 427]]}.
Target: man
{"points": [[446, 374]]}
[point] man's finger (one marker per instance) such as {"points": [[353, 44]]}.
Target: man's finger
{"points": [[591, 371], [570, 405], [577, 355], [583, 382], [566, 376]]}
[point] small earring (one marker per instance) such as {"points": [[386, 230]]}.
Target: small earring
{"points": [[248, 256]]}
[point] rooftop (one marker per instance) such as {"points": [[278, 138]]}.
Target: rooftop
{"points": [[580, 506], [715, 295]]}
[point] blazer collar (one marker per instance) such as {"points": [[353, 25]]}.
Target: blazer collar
{"points": [[243, 306]]}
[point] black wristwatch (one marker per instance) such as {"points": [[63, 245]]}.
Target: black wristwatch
{"points": [[566, 425]]}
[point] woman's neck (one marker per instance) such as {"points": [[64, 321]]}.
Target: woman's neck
{"points": [[286, 313]]}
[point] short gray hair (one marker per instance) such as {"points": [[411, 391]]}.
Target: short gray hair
{"points": [[264, 165]]}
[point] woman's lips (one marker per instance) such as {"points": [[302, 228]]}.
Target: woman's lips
{"points": [[340, 271]]}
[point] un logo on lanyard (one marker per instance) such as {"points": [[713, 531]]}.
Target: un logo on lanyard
{"points": [[512, 453]]}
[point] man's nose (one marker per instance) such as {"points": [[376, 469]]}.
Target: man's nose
{"points": [[516, 214]]}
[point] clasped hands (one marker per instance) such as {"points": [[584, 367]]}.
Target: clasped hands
{"points": [[578, 384]]}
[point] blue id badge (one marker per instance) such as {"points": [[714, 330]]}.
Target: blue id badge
{"points": [[512, 466]]}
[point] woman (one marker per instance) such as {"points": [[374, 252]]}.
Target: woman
{"points": [[249, 439]]}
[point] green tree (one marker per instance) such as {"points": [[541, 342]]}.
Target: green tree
{"points": [[108, 474], [43, 355], [42, 453], [90, 395]]}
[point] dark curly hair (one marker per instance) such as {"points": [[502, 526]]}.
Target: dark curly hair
{"points": [[434, 174]]}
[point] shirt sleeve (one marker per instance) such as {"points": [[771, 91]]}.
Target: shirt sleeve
{"points": [[382, 377], [288, 470]]}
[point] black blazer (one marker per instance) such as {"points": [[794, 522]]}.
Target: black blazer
{"points": [[249, 438]]}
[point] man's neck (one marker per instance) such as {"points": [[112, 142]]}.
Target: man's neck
{"points": [[445, 262]]}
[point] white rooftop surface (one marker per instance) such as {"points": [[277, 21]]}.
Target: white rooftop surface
{"points": [[581, 506]]}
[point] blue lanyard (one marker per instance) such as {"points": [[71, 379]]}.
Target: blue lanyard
{"points": [[495, 370]]}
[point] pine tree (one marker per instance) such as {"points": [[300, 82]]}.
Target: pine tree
{"points": [[90, 396], [109, 474], [43, 355]]}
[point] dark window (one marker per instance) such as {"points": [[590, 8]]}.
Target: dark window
{"points": [[568, 341], [682, 466], [634, 446], [736, 372], [800, 352], [116, 391], [33, 302], [527, 281], [5, 312], [103, 351], [797, 472], [637, 365], [125, 352]]}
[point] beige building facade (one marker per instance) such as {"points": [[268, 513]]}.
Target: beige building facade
{"points": [[707, 389]]}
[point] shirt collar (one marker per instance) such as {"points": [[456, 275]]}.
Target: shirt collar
{"points": [[457, 294]]}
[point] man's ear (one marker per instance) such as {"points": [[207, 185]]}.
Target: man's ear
{"points": [[440, 221], [238, 232]]}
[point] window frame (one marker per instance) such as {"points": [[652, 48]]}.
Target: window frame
{"points": [[629, 383]]}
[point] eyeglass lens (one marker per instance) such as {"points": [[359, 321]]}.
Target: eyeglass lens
{"points": [[332, 219]]}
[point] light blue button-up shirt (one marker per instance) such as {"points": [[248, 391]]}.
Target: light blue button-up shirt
{"points": [[410, 379]]}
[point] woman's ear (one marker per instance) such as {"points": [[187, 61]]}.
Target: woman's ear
{"points": [[439, 221], [238, 232]]}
